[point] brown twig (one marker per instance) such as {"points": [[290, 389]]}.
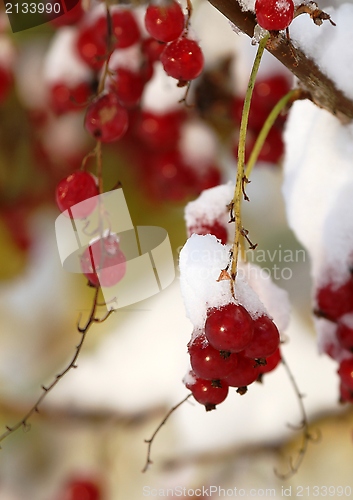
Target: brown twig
{"points": [[150, 441], [321, 89], [46, 389]]}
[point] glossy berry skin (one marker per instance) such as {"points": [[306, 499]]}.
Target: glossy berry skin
{"points": [[125, 28], [103, 263], [244, 374], [81, 489], [165, 22], [229, 328], [182, 59], [333, 301], [207, 392], [207, 362], [344, 332], [265, 340], [128, 86], [271, 362], [75, 188], [91, 43], [274, 15], [106, 120]]}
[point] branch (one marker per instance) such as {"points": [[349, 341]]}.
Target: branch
{"points": [[321, 90]]}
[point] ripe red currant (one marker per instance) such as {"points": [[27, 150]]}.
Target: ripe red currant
{"points": [[103, 263], [64, 98], [244, 373], [182, 59], [125, 28], [75, 188], [265, 340], [81, 489], [207, 362], [216, 228], [274, 15], [344, 331], [333, 301], [106, 120], [271, 362], [207, 392], [229, 328], [165, 22], [128, 86], [345, 372]]}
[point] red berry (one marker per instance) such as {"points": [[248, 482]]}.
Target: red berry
{"points": [[344, 331], [152, 49], [271, 362], [70, 17], [207, 362], [333, 301], [81, 489], [64, 98], [5, 83], [244, 373], [106, 120], [160, 130], [265, 340], [128, 86], [75, 188], [345, 372], [165, 22], [346, 394], [215, 228], [125, 28], [274, 15], [182, 59], [103, 263], [207, 392], [92, 43], [229, 328]]}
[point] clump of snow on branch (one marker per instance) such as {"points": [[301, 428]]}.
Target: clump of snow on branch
{"points": [[329, 46]]}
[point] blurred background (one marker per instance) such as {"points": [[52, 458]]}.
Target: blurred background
{"points": [[87, 442]]}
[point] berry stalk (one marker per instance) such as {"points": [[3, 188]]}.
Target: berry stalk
{"points": [[241, 157], [270, 120]]}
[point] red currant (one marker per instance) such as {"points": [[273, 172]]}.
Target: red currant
{"points": [[182, 59], [160, 131], [344, 331], [106, 120], [125, 28], [215, 228], [346, 394], [92, 43], [165, 22], [207, 392], [128, 86], [5, 83], [207, 362], [75, 188], [265, 340], [64, 98], [271, 362], [152, 49], [345, 372], [244, 373], [81, 489], [103, 263], [229, 328], [274, 15], [333, 301]]}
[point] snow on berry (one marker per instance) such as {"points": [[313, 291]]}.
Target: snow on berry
{"points": [[274, 15]]}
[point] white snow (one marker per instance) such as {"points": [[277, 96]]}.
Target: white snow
{"points": [[198, 144], [201, 261], [211, 205], [62, 64], [329, 46], [129, 58], [161, 93]]}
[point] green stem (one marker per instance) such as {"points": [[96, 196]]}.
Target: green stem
{"points": [[241, 156], [270, 120]]}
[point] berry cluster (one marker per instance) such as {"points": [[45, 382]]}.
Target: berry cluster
{"points": [[233, 350], [335, 304], [274, 15]]}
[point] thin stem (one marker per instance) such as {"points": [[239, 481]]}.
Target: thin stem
{"points": [[46, 389], [241, 156], [270, 120], [150, 441], [307, 437]]}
